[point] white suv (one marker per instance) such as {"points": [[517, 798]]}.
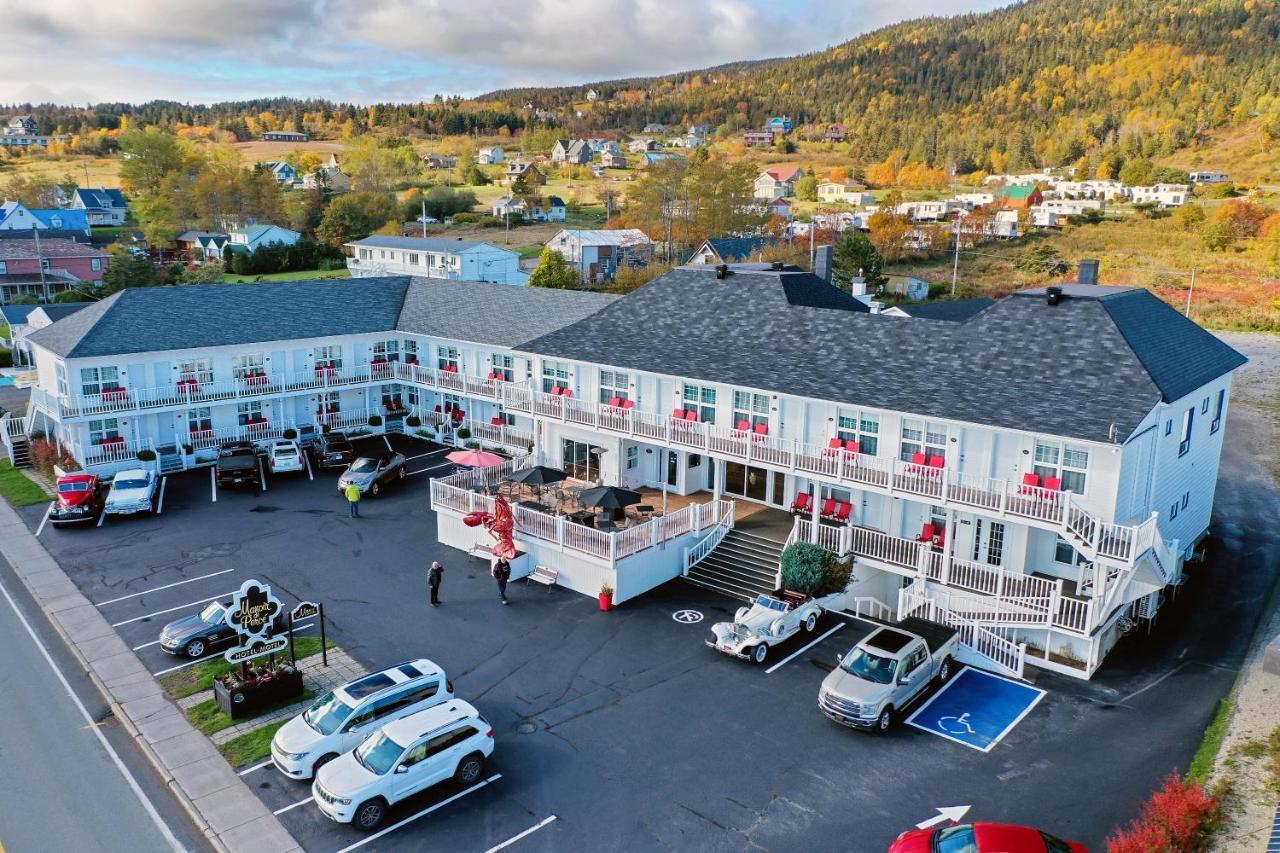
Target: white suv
{"points": [[284, 456], [337, 722], [449, 741]]}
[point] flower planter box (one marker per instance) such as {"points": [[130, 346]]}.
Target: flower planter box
{"points": [[249, 699]]}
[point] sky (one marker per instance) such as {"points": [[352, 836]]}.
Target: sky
{"points": [[366, 51]]}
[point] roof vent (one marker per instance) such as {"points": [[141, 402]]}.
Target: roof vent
{"points": [[1054, 294], [722, 270], [777, 266]]}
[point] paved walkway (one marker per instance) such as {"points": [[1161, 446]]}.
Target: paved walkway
{"points": [[217, 799], [321, 679]]}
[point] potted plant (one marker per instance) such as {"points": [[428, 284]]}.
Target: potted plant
{"points": [[464, 433], [413, 421], [325, 427], [245, 691], [290, 433], [375, 420], [146, 455], [606, 597]]}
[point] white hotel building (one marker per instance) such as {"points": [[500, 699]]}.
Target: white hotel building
{"points": [[1034, 474]]}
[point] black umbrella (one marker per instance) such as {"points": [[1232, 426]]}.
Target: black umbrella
{"points": [[538, 475], [609, 497]]}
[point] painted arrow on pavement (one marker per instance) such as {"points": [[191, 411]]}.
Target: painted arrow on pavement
{"points": [[951, 813]]}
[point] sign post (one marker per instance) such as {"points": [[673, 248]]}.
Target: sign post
{"points": [[253, 612], [306, 610]]}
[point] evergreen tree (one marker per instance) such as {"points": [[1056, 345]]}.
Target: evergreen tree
{"points": [[553, 271]]}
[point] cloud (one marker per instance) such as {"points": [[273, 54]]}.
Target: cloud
{"points": [[405, 50]]}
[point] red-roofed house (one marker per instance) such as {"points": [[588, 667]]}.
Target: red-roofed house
{"points": [[777, 182]]}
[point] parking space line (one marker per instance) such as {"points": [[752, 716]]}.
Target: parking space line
{"points": [[180, 666], [428, 453], [390, 449], [171, 609], [530, 831], [1012, 724], [293, 806], [102, 516], [248, 770], [428, 469], [158, 588], [145, 645], [160, 501], [213, 482], [363, 841], [306, 460], [47, 513], [262, 475], [801, 651]]}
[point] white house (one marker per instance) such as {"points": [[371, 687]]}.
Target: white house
{"points": [[842, 192], [1042, 531], [465, 260], [927, 211], [1164, 195], [550, 209], [599, 254], [509, 206], [777, 182], [281, 171], [253, 237], [490, 155], [972, 200], [1105, 189]]}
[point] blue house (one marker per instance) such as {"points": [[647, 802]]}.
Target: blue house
{"points": [[102, 206], [779, 124], [16, 216]]}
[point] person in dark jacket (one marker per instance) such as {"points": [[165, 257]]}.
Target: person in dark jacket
{"points": [[501, 572], [434, 576]]}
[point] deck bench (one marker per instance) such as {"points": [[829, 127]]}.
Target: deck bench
{"points": [[543, 575]]}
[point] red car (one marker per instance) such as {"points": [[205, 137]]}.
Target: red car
{"points": [[982, 838], [80, 498]]}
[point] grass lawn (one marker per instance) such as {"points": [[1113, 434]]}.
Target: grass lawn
{"points": [[300, 275], [200, 677], [208, 719], [1202, 763], [250, 746], [17, 489], [530, 252]]}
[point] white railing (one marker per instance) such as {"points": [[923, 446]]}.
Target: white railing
{"points": [[872, 608], [890, 549], [341, 422], [915, 600], [695, 554], [112, 452]]}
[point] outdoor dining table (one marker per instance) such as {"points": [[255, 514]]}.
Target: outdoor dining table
{"points": [[584, 517]]}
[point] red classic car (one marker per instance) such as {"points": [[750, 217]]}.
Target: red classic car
{"points": [[80, 498], [982, 838]]}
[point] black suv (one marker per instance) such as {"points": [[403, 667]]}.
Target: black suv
{"points": [[334, 450], [238, 465]]}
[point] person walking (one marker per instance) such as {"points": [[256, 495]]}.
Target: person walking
{"points": [[434, 576], [501, 572], [353, 499]]}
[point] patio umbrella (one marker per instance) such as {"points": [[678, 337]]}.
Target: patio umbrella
{"points": [[609, 497], [538, 475], [474, 458]]}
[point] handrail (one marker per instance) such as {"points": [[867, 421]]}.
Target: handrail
{"points": [[695, 554]]}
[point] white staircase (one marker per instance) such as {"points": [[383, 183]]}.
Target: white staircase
{"points": [[17, 444], [984, 646]]}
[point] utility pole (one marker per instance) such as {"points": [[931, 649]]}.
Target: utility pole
{"points": [[955, 262], [44, 284], [424, 218], [1187, 311]]}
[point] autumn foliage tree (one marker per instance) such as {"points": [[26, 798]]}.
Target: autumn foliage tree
{"points": [[1178, 818]]}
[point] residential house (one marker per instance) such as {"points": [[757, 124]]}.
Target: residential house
{"points": [[285, 136], [1023, 179], [730, 250], [654, 127], [21, 126], [550, 209], [612, 160], [23, 132], [281, 171], [758, 138], [907, 286], [492, 154], [22, 319], [439, 161], [643, 144], [1107, 190], [1019, 196], [691, 140], [703, 130], [253, 237], [972, 200], [843, 192], [1208, 177], [593, 95], [779, 124], [777, 182], [652, 157], [203, 245], [329, 178], [603, 146], [927, 211], [504, 208], [16, 216], [102, 206], [45, 267], [1042, 532], [599, 254], [574, 152], [521, 169], [834, 133], [429, 257], [1162, 195]]}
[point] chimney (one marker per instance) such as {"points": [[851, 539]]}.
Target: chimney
{"points": [[858, 284], [1088, 272], [722, 271], [822, 263], [1054, 294]]}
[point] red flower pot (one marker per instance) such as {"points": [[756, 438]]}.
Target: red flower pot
{"points": [[606, 601]]}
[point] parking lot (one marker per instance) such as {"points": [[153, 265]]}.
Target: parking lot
{"points": [[622, 730]]}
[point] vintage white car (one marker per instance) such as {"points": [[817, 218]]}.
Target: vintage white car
{"points": [[132, 491], [769, 620]]}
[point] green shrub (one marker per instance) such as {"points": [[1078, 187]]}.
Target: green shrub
{"points": [[464, 433], [413, 421], [145, 455], [472, 445], [188, 449], [290, 433], [6, 357], [375, 420], [803, 567]]}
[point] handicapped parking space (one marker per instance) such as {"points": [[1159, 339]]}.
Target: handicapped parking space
{"points": [[976, 708]]}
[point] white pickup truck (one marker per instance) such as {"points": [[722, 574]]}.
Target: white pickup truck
{"points": [[769, 620], [887, 671]]}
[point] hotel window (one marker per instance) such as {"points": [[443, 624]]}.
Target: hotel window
{"points": [[412, 258], [505, 366], [409, 347], [388, 350], [921, 437], [199, 420], [701, 399], [197, 369], [1067, 462], [331, 402], [859, 427], [613, 383], [60, 371], [633, 457], [1184, 442], [94, 380], [4, 267], [365, 254], [243, 365], [329, 356], [1217, 411], [451, 402], [250, 411], [100, 431], [751, 408], [447, 358], [555, 374], [1064, 553]]}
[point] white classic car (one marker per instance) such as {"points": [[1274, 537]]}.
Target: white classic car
{"points": [[769, 620], [132, 491]]}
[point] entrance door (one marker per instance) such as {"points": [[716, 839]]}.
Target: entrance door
{"points": [[746, 481]]}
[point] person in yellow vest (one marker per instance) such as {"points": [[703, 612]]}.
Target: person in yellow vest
{"points": [[353, 499]]}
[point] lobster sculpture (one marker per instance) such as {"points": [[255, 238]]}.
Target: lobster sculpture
{"points": [[501, 525]]}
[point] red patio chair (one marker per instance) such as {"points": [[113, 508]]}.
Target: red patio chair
{"points": [[493, 375], [936, 464], [459, 415], [834, 445], [919, 459], [498, 421], [568, 392], [927, 532], [829, 508], [677, 414], [691, 415], [1053, 484], [1030, 482], [941, 539], [852, 446], [802, 503], [744, 426], [556, 390], [615, 401], [628, 404], [843, 511], [451, 368], [438, 409], [761, 428]]}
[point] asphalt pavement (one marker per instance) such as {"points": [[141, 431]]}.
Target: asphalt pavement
{"points": [[73, 779]]}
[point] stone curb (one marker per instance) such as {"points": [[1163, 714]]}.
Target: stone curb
{"points": [[218, 801]]}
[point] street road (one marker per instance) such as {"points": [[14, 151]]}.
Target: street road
{"points": [[70, 785]]}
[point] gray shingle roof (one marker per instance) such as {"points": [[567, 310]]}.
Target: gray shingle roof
{"points": [[1070, 369], [956, 310], [421, 244], [147, 319], [495, 314]]}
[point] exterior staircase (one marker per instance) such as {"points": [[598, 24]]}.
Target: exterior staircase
{"points": [[170, 460], [20, 451], [742, 566], [17, 444]]}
